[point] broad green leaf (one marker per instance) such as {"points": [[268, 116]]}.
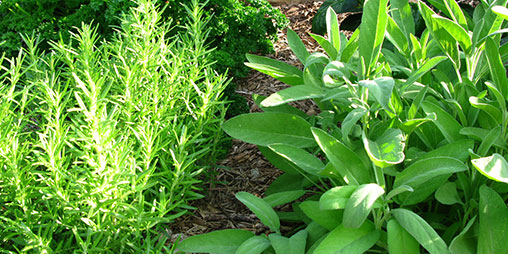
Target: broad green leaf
{"points": [[493, 222], [372, 31], [497, 70], [261, 209], [301, 158], [294, 93], [328, 219], [488, 142], [398, 190], [423, 69], [311, 75], [388, 149], [297, 46], [480, 134], [456, 13], [297, 242], [326, 45], [447, 194], [396, 36], [315, 232], [399, 240], [494, 167], [501, 11], [410, 125], [346, 161], [253, 245], [317, 58], [286, 182], [350, 120], [421, 231], [446, 41], [332, 28], [351, 47], [284, 108], [488, 108], [492, 22], [446, 123], [335, 74], [458, 32], [279, 243], [361, 245], [402, 15], [425, 176], [417, 102], [381, 89], [360, 204], [276, 69], [497, 94], [219, 242], [342, 239], [466, 241], [270, 128], [336, 197], [282, 198], [279, 161]]}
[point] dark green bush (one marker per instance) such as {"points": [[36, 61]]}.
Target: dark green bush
{"points": [[236, 26]]}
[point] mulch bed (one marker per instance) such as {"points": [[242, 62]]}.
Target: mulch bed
{"points": [[245, 168]]}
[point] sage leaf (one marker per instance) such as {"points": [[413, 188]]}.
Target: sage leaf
{"points": [[343, 159], [276, 69], [372, 31], [285, 197], [294, 93], [297, 46], [447, 194], [399, 240], [284, 108], [328, 219], [337, 197], [387, 150], [332, 28], [493, 222], [349, 240], [360, 204], [465, 242], [279, 243], [220, 242], [494, 167], [421, 231], [261, 209], [381, 89], [270, 128], [446, 123], [426, 176], [301, 158], [297, 242], [253, 245]]}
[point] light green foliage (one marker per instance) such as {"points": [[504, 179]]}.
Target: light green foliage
{"points": [[101, 144], [409, 146]]}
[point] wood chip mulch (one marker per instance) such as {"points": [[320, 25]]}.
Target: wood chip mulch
{"points": [[245, 168]]}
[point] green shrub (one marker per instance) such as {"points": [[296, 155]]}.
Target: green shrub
{"points": [[101, 144], [236, 27], [408, 151]]}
